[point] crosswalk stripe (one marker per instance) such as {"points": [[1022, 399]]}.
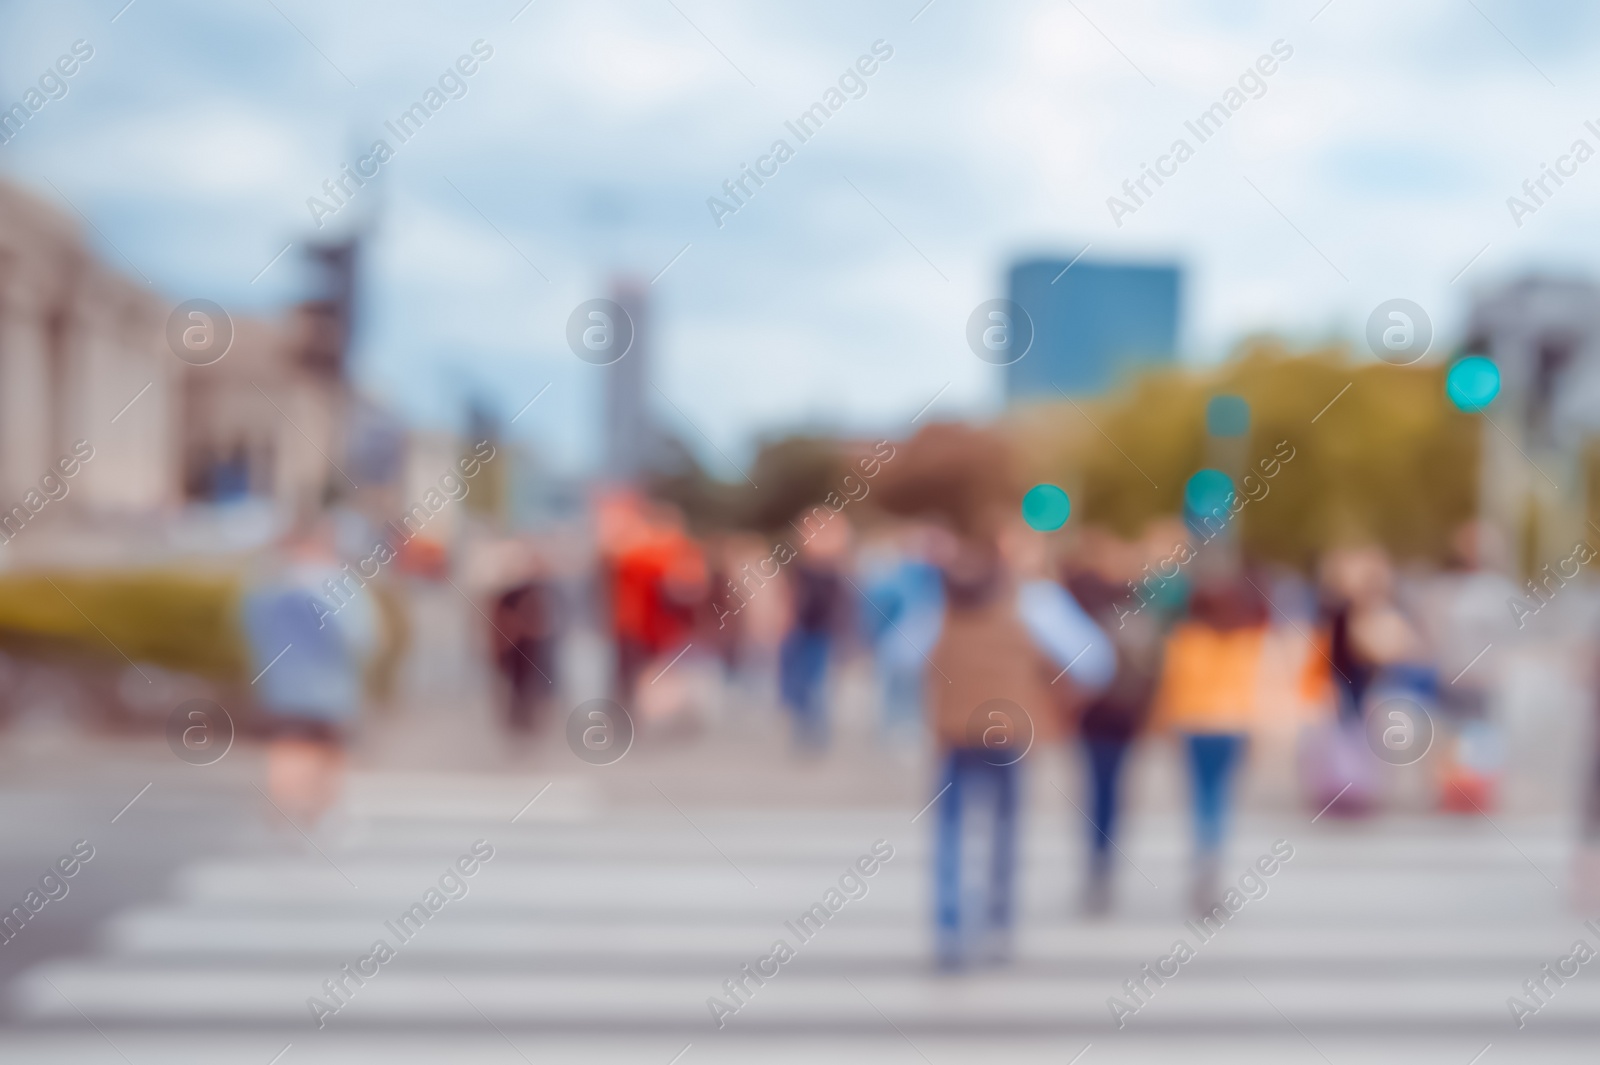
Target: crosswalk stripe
{"points": [[631, 922]]}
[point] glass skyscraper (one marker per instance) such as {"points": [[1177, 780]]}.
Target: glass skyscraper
{"points": [[1091, 323]]}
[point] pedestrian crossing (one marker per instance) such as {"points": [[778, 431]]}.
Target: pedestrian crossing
{"points": [[595, 935]]}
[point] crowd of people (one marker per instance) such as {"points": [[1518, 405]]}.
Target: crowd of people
{"points": [[988, 639]]}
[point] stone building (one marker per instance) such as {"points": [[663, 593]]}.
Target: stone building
{"points": [[81, 357], [85, 353], [266, 420], [278, 418]]}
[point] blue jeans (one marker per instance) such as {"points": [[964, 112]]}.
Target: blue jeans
{"points": [[1212, 760], [968, 775], [1106, 759], [802, 671]]}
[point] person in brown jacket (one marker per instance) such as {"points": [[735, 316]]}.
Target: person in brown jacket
{"points": [[1006, 639], [1012, 644]]}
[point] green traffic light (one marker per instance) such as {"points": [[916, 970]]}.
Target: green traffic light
{"points": [[1472, 383], [1046, 507]]}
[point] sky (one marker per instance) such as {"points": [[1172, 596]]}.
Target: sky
{"points": [[1374, 162]]}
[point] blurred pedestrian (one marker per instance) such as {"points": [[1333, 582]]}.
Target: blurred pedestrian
{"points": [[1370, 638], [658, 586], [901, 615], [1009, 635], [1111, 721], [1470, 632], [526, 623], [306, 658], [1013, 649], [1208, 694], [717, 630], [753, 605], [818, 604], [1373, 655]]}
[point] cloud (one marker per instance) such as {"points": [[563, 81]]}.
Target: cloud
{"points": [[593, 138]]}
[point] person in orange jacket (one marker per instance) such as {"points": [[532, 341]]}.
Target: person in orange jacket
{"points": [[1207, 695]]}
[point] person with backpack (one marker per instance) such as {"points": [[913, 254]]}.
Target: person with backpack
{"points": [[1012, 645], [1008, 634], [1110, 722]]}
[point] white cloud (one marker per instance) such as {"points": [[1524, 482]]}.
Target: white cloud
{"points": [[216, 150], [594, 136]]}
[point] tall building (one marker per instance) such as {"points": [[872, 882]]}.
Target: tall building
{"points": [[1540, 472], [1544, 334], [630, 435], [1091, 323]]}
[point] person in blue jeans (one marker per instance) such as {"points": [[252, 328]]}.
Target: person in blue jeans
{"points": [[973, 777], [1208, 695], [819, 605], [1212, 760], [1004, 639], [802, 682], [1109, 723]]}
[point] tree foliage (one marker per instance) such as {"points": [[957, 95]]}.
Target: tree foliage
{"points": [[1380, 454]]}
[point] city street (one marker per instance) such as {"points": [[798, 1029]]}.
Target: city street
{"points": [[717, 533]]}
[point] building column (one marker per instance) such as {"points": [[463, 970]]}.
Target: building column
{"points": [[24, 391]]}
